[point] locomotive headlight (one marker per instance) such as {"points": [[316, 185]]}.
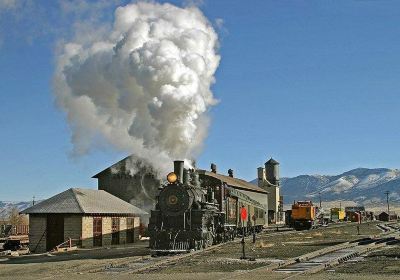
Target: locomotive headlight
{"points": [[171, 177]]}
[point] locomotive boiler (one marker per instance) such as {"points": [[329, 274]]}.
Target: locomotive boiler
{"points": [[192, 213]]}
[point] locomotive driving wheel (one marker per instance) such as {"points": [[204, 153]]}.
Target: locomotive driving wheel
{"points": [[209, 241]]}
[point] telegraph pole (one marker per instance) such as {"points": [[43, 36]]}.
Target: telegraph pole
{"points": [[320, 201], [387, 201]]}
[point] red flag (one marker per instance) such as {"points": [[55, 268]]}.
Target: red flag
{"points": [[243, 213]]}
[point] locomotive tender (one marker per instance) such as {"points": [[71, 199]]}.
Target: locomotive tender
{"points": [[197, 209]]}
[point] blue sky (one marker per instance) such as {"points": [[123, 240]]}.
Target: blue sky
{"points": [[314, 84]]}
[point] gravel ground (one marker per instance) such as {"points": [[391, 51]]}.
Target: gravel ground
{"points": [[218, 263], [382, 262], [268, 249], [71, 263]]}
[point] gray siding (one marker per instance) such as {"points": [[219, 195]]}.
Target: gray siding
{"points": [[140, 189], [37, 233], [73, 227]]}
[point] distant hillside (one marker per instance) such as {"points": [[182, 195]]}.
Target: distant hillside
{"points": [[361, 185], [6, 206]]}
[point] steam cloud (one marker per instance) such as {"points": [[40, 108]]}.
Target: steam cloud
{"points": [[142, 85]]}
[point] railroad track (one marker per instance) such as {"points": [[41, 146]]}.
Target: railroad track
{"points": [[328, 260], [325, 258], [153, 263], [147, 263], [340, 255]]}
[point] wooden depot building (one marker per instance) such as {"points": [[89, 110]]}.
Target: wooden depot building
{"points": [[89, 217]]}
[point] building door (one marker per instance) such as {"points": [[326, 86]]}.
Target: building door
{"points": [[97, 231], [130, 230], [114, 231], [54, 231]]}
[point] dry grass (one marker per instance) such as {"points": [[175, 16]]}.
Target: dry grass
{"points": [[266, 245]]}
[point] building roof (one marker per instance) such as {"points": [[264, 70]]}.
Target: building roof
{"points": [[233, 182], [390, 213], [116, 165], [84, 201], [129, 165], [271, 161]]}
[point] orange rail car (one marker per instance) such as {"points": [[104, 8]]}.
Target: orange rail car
{"points": [[303, 215]]}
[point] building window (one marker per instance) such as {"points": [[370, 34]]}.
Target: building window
{"points": [[114, 231]]}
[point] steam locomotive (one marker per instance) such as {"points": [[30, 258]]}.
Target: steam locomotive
{"points": [[195, 210]]}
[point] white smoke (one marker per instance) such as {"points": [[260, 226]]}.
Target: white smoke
{"points": [[143, 86]]}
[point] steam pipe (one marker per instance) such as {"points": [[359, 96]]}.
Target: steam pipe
{"points": [[185, 176]]}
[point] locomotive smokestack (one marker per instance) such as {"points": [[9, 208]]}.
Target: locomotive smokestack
{"points": [[230, 172], [178, 170], [213, 168]]}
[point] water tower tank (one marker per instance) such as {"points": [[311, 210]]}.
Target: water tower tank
{"points": [[272, 171]]}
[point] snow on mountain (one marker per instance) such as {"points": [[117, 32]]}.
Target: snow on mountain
{"points": [[7, 206], [361, 185]]}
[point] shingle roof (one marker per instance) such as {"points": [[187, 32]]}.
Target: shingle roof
{"points": [[84, 201], [233, 182]]}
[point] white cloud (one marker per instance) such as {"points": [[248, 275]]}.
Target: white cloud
{"points": [[9, 4]]}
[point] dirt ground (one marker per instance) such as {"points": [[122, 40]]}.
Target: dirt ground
{"points": [[269, 249], [65, 265], [382, 262], [218, 263]]}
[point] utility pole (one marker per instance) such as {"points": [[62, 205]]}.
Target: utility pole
{"points": [[320, 201], [387, 201]]}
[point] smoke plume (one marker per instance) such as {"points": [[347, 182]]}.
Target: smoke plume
{"points": [[142, 84]]}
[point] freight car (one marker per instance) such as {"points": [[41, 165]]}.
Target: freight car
{"points": [[191, 214], [337, 215], [303, 215]]}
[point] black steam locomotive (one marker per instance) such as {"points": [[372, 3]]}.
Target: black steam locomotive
{"points": [[194, 211]]}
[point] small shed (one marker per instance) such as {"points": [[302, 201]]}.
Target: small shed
{"points": [[89, 217], [384, 216]]}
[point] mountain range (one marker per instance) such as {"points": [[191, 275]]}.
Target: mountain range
{"points": [[362, 186], [7, 206]]}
